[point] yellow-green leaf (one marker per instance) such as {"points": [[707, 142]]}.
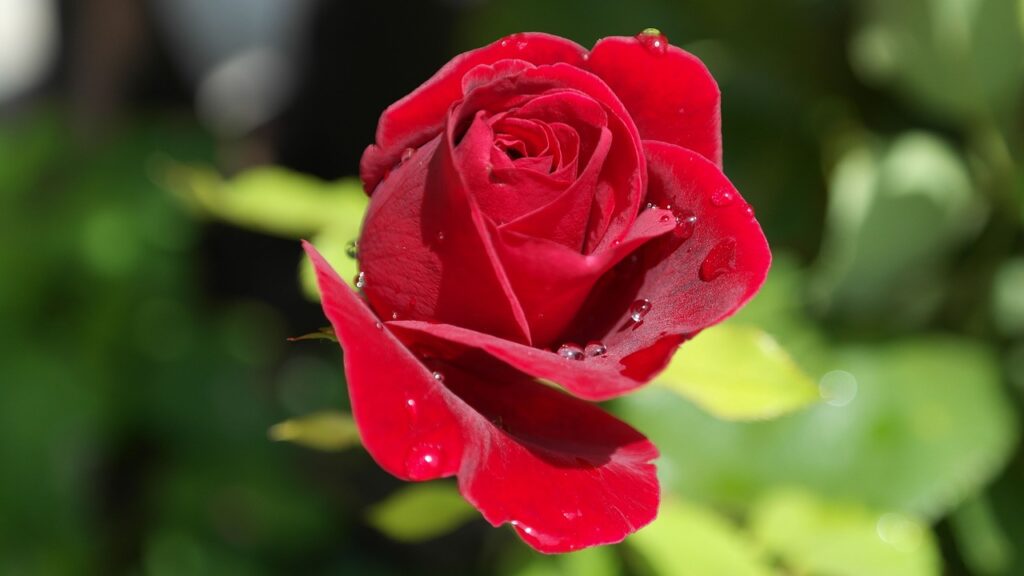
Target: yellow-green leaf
{"points": [[738, 373], [420, 512], [327, 430], [333, 243], [689, 539], [272, 200], [821, 538]]}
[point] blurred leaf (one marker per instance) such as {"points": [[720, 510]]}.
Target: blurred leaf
{"points": [[272, 200], [689, 539], [738, 373], [325, 333], [327, 430], [418, 512], [334, 244], [958, 58], [894, 219], [982, 543], [917, 426], [819, 538], [1008, 297]]}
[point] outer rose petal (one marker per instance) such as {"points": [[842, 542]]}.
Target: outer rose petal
{"points": [[566, 474], [417, 118], [666, 271], [671, 95]]}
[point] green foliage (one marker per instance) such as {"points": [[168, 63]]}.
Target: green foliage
{"points": [[328, 430], [689, 539], [895, 217], [738, 373], [820, 538], [421, 511]]}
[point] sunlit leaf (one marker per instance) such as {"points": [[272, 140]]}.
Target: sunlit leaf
{"points": [[271, 200], [327, 430], [418, 512], [913, 426], [738, 372], [335, 244], [811, 536], [689, 539]]}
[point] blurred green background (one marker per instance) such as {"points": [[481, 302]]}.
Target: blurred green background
{"points": [[145, 301]]}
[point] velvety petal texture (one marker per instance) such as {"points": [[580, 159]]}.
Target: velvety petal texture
{"points": [[539, 215], [503, 434]]}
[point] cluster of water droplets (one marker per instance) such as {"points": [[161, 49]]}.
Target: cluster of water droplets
{"points": [[685, 220], [593, 349]]}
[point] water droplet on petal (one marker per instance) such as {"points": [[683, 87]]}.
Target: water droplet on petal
{"points": [[686, 222], [378, 325], [719, 260], [665, 218], [407, 153], [360, 280], [411, 408], [423, 462], [749, 210], [438, 377], [570, 352], [595, 348], [352, 249], [652, 39], [650, 205], [639, 309], [722, 197], [440, 236], [394, 315]]}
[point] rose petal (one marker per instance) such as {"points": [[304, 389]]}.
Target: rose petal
{"points": [[691, 281], [669, 93], [417, 118], [405, 416], [563, 472], [566, 474], [434, 260]]}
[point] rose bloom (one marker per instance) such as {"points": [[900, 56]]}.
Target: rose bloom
{"points": [[546, 226]]}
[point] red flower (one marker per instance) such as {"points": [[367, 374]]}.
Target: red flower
{"points": [[539, 212]]}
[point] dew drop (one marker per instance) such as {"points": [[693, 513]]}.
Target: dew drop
{"points": [[571, 352], [719, 260], [650, 205], [652, 39], [594, 349], [639, 309], [722, 197], [407, 153], [394, 315], [438, 377], [686, 222], [665, 218], [360, 280], [352, 249], [411, 407], [423, 462], [378, 325], [440, 236]]}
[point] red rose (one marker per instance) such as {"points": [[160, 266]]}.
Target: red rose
{"points": [[539, 211]]}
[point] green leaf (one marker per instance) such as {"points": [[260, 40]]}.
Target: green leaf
{"points": [[961, 59], [912, 426], [333, 244], [689, 539], [983, 545], [896, 216], [419, 512], [738, 373], [272, 200], [328, 430], [1008, 297], [811, 536], [325, 333]]}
